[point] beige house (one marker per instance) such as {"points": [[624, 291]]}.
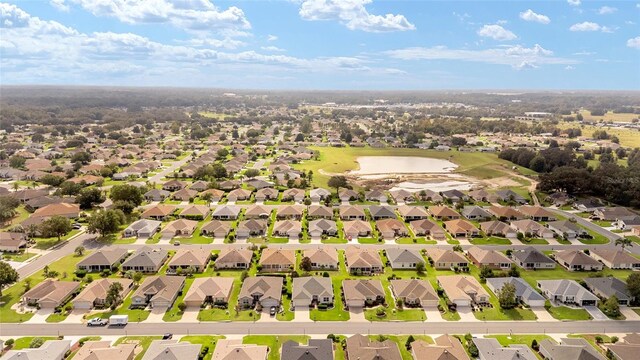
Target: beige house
{"points": [[577, 260], [446, 347], [234, 259], [158, 292], [615, 259], [94, 295], [227, 349], [103, 259], [361, 261], [446, 259], [196, 259], [461, 228], [209, 290], [361, 293], [216, 228], [463, 290], [277, 260], [172, 349], [415, 292], [354, 229], [287, 228], [391, 228], [50, 293], [180, 227], [490, 258], [429, 228], [263, 290], [323, 258], [102, 350], [311, 290], [362, 348]]}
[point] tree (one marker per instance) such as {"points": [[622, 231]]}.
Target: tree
{"points": [[88, 197], [8, 275], [36, 342], [79, 251], [305, 263], [106, 222], [137, 276], [17, 162], [123, 194], [507, 296], [611, 307], [114, 298], [421, 268], [624, 242], [485, 272], [8, 206], [55, 226], [633, 285], [337, 181], [407, 344], [251, 173]]}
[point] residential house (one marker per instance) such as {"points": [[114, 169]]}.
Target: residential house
{"points": [[265, 194], [606, 287], [567, 292], [510, 195], [216, 194], [375, 195], [627, 349], [446, 259], [346, 195], [577, 260], [195, 212], [615, 259], [446, 347], [443, 213], [239, 195], [316, 349], [463, 290], [319, 194], [415, 292], [310, 291], [461, 228], [102, 350], [184, 195], [525, 293], [234, 259], [257, 211], [174, 185], [158, 292], [68, 210], [103, 259], [94, 295], [227, 349], [320, 227], [199, 186], [505, 213], [531, 258], [362, 348], [473, 212], [381, 212], [612, 213], [454, 195], [323, 258], [263, 290], [291, 229], [172, 349], [251, 227], [350, 212], [412, 213], [491, 349], [180, 227], [566, 229], [158, 212], [145, 260], [401, 196], [209, 290], [427, 228], [319, 212], [490, 258], [289, 212], [569, 348], [356, 229], [13, 241], [142, 229], [226, 212], [537, 213], [50, 350], [216, 228], [361, 293], [400, 258], [277, 260], [587, 205], [196, 259], [391, 228], [498, 228], [294, 194], [50, 293], [530, 228], [361, 261]]}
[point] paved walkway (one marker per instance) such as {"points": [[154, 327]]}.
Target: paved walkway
{"points": [[542, 314], [76, 317], [629, 313]]}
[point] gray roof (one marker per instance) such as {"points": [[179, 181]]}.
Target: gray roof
{"points": [[523, 289], [404, 255], [569, 349], [146, 256], [307, 287], [490, 349], [609, 286], [567, 288], [51, 349], [532, 255], [317, 349]]}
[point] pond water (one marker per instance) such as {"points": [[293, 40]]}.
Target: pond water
{"points": [[378, 165], [433, 186]]}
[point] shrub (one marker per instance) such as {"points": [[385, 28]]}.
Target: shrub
{"points": [[36, 342], [182, 307], [9, 342], [614, 339]]}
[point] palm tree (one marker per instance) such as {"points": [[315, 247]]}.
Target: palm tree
{"points": [[624, 242]]}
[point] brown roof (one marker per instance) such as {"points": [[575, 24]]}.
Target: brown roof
{"points": [[62, 209], [360, 347]]}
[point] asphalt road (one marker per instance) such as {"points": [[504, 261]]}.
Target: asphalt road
{"points": [[323, 328], [63, 249]]}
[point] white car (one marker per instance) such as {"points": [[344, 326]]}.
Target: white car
{"points": [[97, 322]]}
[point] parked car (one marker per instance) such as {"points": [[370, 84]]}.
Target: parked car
{"points": [[176, 243], [97, 322], [273, 311], [167, 336], [76, 226]]}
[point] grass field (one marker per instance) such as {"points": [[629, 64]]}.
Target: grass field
{"points": [[340, 160], [608, 116], [628, 137]]}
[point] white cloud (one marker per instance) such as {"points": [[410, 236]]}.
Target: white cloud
{"points": [[590, 26], [496, 32], [518, 57], [354, 15], [574, 2], [530, 15], [569, 67], [60, 5], [634, 42], [607, 10], [271, 37], [190, 15], [272, 48]]}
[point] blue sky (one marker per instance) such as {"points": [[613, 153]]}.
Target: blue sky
{"points": [[322, 44]]}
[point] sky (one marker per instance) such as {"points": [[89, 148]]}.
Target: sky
{"points": [[323, 44]]}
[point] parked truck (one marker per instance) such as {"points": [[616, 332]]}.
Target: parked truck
{"points": [[118, 320]]}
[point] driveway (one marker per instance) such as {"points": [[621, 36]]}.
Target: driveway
{"points": [[595, 313], [266, 317], [629, 313], [356, 314], [156, 315], [466, 314], [302, 315], [76, 317], [433, 314], [40, 316], [542, 314], [190, 314]]}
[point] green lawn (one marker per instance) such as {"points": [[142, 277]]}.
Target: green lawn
{"points": [[24, 342], [18, 257], [209, 341], [396, 315], [490, 241], [142, 341], [536, 241], [274, 342], [46, 243], [21, 215], [508, 340], [566, 313]]}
